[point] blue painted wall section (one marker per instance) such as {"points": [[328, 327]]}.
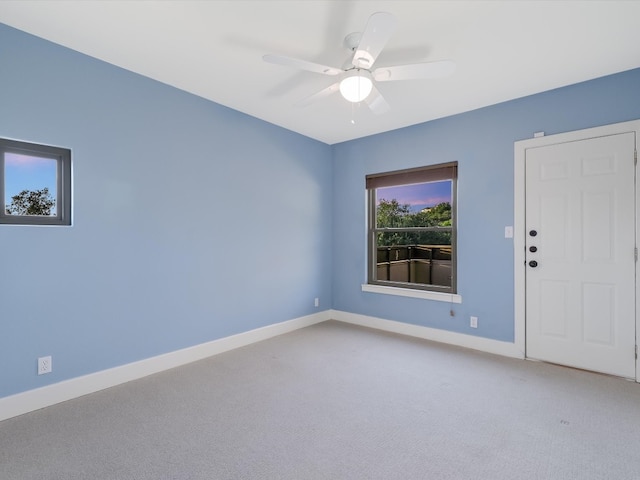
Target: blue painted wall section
{"points": [[482, 142], [191, 221]]}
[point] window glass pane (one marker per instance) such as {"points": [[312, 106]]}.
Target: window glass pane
{"points": [[30, 185], [417, 205], [406, 261], [422, 257]]}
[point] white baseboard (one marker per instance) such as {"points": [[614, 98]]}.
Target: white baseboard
{"points": [[507, 349], [38, 398]]}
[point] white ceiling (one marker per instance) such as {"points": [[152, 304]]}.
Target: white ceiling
{"points": [[503, 50]]}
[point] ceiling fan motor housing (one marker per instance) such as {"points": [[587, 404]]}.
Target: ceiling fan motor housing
{"points": [[352, 40]]}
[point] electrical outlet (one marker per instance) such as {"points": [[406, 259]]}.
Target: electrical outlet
{"points": [[474, 322], [44, 365], [316, 302]]}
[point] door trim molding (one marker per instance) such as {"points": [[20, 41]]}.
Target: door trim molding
{"points": [[519, 238]]}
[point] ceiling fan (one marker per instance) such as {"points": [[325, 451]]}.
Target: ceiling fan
{"points": [[356, 82]]}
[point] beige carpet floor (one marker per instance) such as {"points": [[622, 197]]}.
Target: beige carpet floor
{"points": [[335, 401]]}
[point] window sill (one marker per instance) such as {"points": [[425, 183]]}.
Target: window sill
{"points": [[413, 293]]}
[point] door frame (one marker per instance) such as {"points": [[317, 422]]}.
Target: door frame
{"points": [[519, 237]]}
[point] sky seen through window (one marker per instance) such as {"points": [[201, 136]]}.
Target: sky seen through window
{"points": [[418, 196], [25, 172]]}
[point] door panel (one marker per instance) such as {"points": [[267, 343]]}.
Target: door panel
{"points": [[554, 312], [580, 217], [598, 305], [598, 223], [554, 215]]}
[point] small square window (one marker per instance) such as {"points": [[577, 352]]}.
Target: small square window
{"points": [[35, 184]]}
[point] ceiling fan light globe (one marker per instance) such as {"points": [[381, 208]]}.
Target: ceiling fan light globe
{"points": [[356, 88]]}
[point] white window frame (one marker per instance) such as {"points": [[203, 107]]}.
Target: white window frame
{"points": [[406, 177]]}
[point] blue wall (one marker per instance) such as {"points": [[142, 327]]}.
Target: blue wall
{"points": [[482, 142], [191, 221]]}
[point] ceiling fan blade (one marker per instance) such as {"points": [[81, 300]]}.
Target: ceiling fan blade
{"points": [[301, 64], [317, 96], [415, 71], [375, 36], [376, 102]]}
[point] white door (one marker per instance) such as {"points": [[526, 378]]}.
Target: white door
{"points": [[580, 249]]}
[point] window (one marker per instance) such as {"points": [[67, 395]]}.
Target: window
{"points": [[35, 184], [412, 228]]}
